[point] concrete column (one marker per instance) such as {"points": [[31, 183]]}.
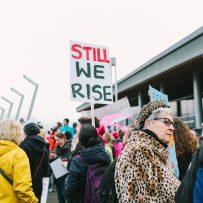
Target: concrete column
{"points": [[140, 99], [197, 99], [162, 88], [178, 106]]}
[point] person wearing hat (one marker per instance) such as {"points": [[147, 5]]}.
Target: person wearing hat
{"points": [[143, 172], [35, 148]]}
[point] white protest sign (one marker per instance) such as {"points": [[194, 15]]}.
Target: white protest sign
{"points": [[90, 73], [45, 184], [58, 168], [156, 95], [122, 106]]}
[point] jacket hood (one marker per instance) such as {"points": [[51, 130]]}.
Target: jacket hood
{"points": [[6, 146], [95, 154], [36, 142]]}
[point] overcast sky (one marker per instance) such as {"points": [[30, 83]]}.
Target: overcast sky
{"points": [[35, 39]]}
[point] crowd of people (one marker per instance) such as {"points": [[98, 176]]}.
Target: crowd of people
{"points": [[143, 170]]}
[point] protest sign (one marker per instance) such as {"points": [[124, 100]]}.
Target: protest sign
{"points": [[122, 106], [90, 73], [58, 168], [45, 184], [156, 95]]}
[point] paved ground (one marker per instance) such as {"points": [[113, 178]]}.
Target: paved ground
{"points": [[52, 197]]}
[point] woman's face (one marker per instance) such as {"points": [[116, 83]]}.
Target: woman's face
{"points": [[60, 141], [162, 126]]}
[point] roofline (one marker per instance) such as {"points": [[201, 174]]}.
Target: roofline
{"points": [[171, 49]]}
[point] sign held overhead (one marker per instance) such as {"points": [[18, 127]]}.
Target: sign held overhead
{"points": [[90, 72]]}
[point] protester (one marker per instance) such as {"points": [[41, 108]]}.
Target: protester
{"points": [[66, 127], [143, 172], [63, 151], [58, 126], [35, 148], [100, 130], [186, 144], [15, 177], [81, 122], [109, 145], [127, 132], [52, 146], [117, 144], [191, 186], [75, 127], [92, 153]]}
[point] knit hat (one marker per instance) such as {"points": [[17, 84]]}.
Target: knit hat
{"points": [[147, 110], [31, 129]]}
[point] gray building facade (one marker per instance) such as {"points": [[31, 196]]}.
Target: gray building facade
{"points": [[177, 72]]}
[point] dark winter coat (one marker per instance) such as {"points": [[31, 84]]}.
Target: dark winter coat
{"points": [[191, 186], [63, 152], [35, 148], [76, 180], [183, 164]]}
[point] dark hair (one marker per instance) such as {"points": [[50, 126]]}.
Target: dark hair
{"points": [[97, 122], [60, 135], [66, 119], [68, 135], [58, 125], [74, 125], [54, 129], [88, 136], [88, 120], [85, 120]]}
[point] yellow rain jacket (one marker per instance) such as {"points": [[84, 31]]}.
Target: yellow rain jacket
{"points": [[15, 164]]}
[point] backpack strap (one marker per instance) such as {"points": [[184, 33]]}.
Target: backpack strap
{"points": [[6, 177], [35, 175], [79, 157]]}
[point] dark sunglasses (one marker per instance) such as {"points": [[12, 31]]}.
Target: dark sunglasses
{"points": [[166, 121]]}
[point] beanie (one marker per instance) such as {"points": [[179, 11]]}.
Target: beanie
{"points": [[31, 129], [147, 110]]}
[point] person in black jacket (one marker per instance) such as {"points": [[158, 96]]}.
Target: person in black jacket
{"points": [[63, 151], [93, 152], [35, 148]]}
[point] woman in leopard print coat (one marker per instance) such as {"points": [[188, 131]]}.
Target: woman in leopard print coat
{"points": [[143, 172]]}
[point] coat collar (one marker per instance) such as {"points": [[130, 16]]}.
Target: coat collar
{"points": [[149, 132], [145, 139]]}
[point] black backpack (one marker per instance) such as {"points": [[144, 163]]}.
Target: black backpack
{"points": [[107, 190], [185, 192]]}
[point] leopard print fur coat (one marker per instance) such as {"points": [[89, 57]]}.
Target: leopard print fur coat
{"points": [[143, 173]]}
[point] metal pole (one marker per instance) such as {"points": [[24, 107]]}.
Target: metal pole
{"points": [[34, 95], [113, 63], [20, 104], [11, 105], [2, 112]]}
